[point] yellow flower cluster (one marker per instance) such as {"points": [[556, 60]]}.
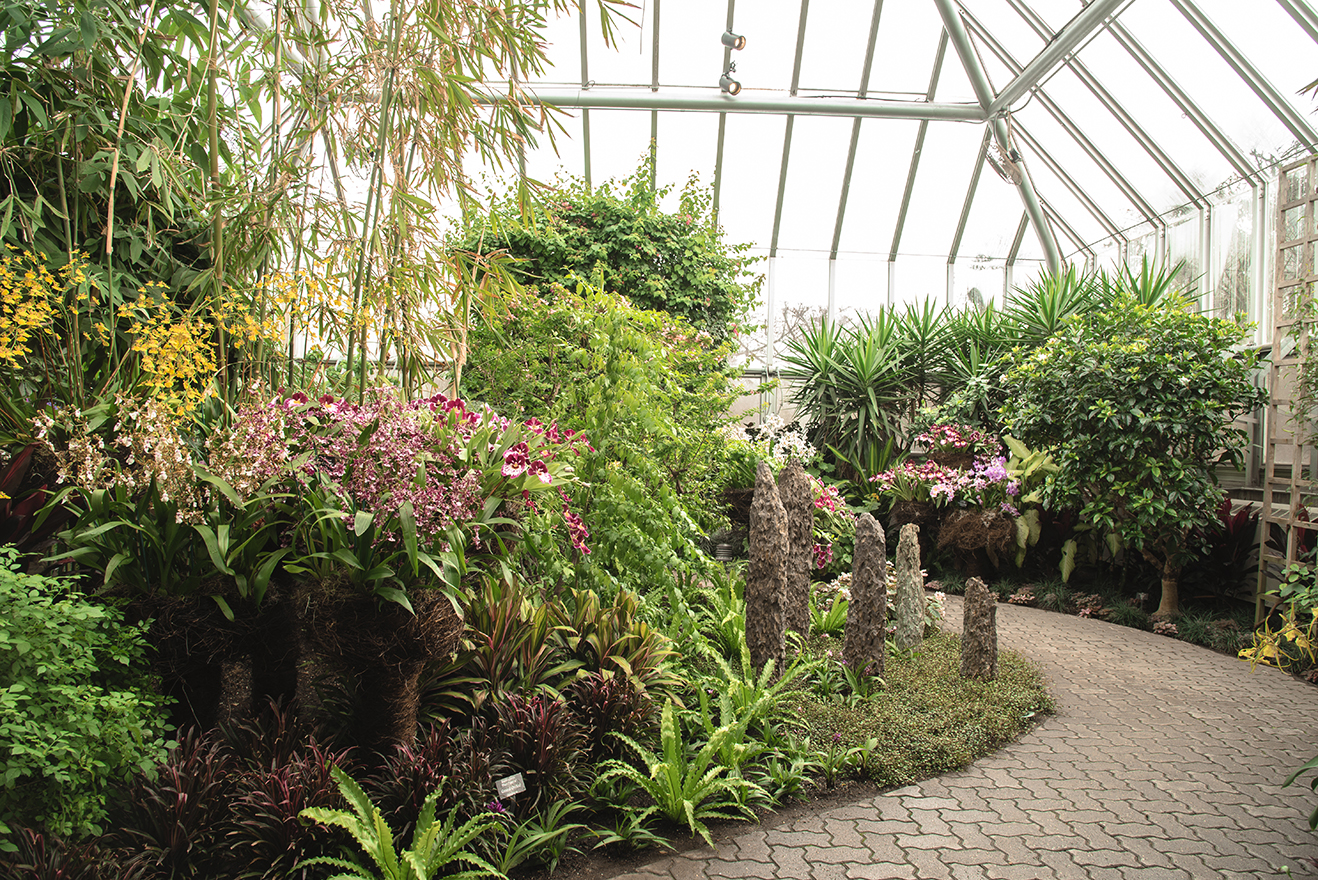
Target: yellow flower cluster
{"points": [[32, 298], [176, 352]]}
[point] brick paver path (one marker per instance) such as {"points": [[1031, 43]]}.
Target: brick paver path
{"points": [[1164, 760]]}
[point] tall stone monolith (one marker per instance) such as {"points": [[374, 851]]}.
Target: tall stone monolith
{"points": [[798, 500], [909, 601], [864, 646], [979, 634], [765, 577]]}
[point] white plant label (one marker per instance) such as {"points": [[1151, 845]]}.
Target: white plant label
{"points": [[509, 786]]}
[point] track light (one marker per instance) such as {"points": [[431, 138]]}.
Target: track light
{"points": [[733, 41], [729, 85]]}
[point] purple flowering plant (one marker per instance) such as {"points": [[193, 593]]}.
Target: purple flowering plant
{"points": [[987, 484], [381, 489]]}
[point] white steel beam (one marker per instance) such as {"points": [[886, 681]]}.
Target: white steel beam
{"points": [[1093, 17], [1289, 116], [956, 31], [1160, 156]]}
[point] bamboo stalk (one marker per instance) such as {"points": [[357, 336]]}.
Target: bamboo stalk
{"points": [[217, 218], [123, 119]]}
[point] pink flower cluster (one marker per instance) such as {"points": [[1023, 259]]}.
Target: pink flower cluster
{"points": [[940, 438], [986, 484], [828, 498], [823, 554], [384, 452], [576, 530]]}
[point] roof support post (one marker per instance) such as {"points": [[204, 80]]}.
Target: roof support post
{"points": [[1009, 276], [1304, 16], [956, 31], [791, 123], [722, 122], [939, 55], [585, 84], [953, 251], [855, 130], [1289, 116], [769, 306], [1090, 19], [831, 312]]}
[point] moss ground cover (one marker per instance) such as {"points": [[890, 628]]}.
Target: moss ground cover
{"points": [[927, 720]]}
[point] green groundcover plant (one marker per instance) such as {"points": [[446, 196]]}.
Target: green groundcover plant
{"points": [[77, 710]]}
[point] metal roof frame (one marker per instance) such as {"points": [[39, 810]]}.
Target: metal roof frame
{"points": [[1140, 203], [1160, 156], [1092, 18], [1266, 92], [1061, 48], [956, 30]]}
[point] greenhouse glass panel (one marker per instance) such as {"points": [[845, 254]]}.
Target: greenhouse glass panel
{"points": [[814, 182], [878, 180], [1232, 257]]}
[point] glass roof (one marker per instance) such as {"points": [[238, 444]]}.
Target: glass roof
{"points": [[869, 148]]}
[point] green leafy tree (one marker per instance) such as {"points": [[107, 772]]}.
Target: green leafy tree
{"points": [[77, 711], [1136, 402], [671, 262], [651, 394]]}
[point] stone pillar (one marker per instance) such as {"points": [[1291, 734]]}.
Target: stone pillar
{"points": [[979, 635], [909, 601], [798, 500], [765, 621], [865, 644]]}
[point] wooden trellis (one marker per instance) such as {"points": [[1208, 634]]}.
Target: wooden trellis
{"points": [[1289, 521]]}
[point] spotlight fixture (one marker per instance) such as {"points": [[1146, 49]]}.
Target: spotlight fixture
{"points": [[727, 84], [733, 41]]}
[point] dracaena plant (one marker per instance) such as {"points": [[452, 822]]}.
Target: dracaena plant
{"points": [[612, 640]]}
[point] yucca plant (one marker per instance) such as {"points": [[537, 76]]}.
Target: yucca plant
{"points": [[852, 385], [435, 844], [686, 790], [1039, 310]]}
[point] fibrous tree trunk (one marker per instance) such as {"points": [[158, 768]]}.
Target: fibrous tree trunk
{"points": [[798, 501], [765, 620]]}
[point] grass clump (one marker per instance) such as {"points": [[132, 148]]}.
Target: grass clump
{"points": [[928, 719]]}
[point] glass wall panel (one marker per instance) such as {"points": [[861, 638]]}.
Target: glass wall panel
{"points": [[814, 181]]}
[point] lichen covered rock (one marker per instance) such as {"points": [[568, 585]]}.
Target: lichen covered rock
{"points": [[864, 646]]}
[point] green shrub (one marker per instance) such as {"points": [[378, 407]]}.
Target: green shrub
{"points": [[651, 394], [672, 262], [1136, 404], [77, 712]]}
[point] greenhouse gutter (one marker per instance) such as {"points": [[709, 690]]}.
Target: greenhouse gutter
{"points": [[850, 108]]}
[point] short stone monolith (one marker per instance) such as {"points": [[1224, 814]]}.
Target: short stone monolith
{"points": [[979, 635], [798, 500], [864, 646], [909, 600], [766, 574]]}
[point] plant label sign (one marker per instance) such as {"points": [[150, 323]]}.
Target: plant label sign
{"points": [[509, 786]]}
